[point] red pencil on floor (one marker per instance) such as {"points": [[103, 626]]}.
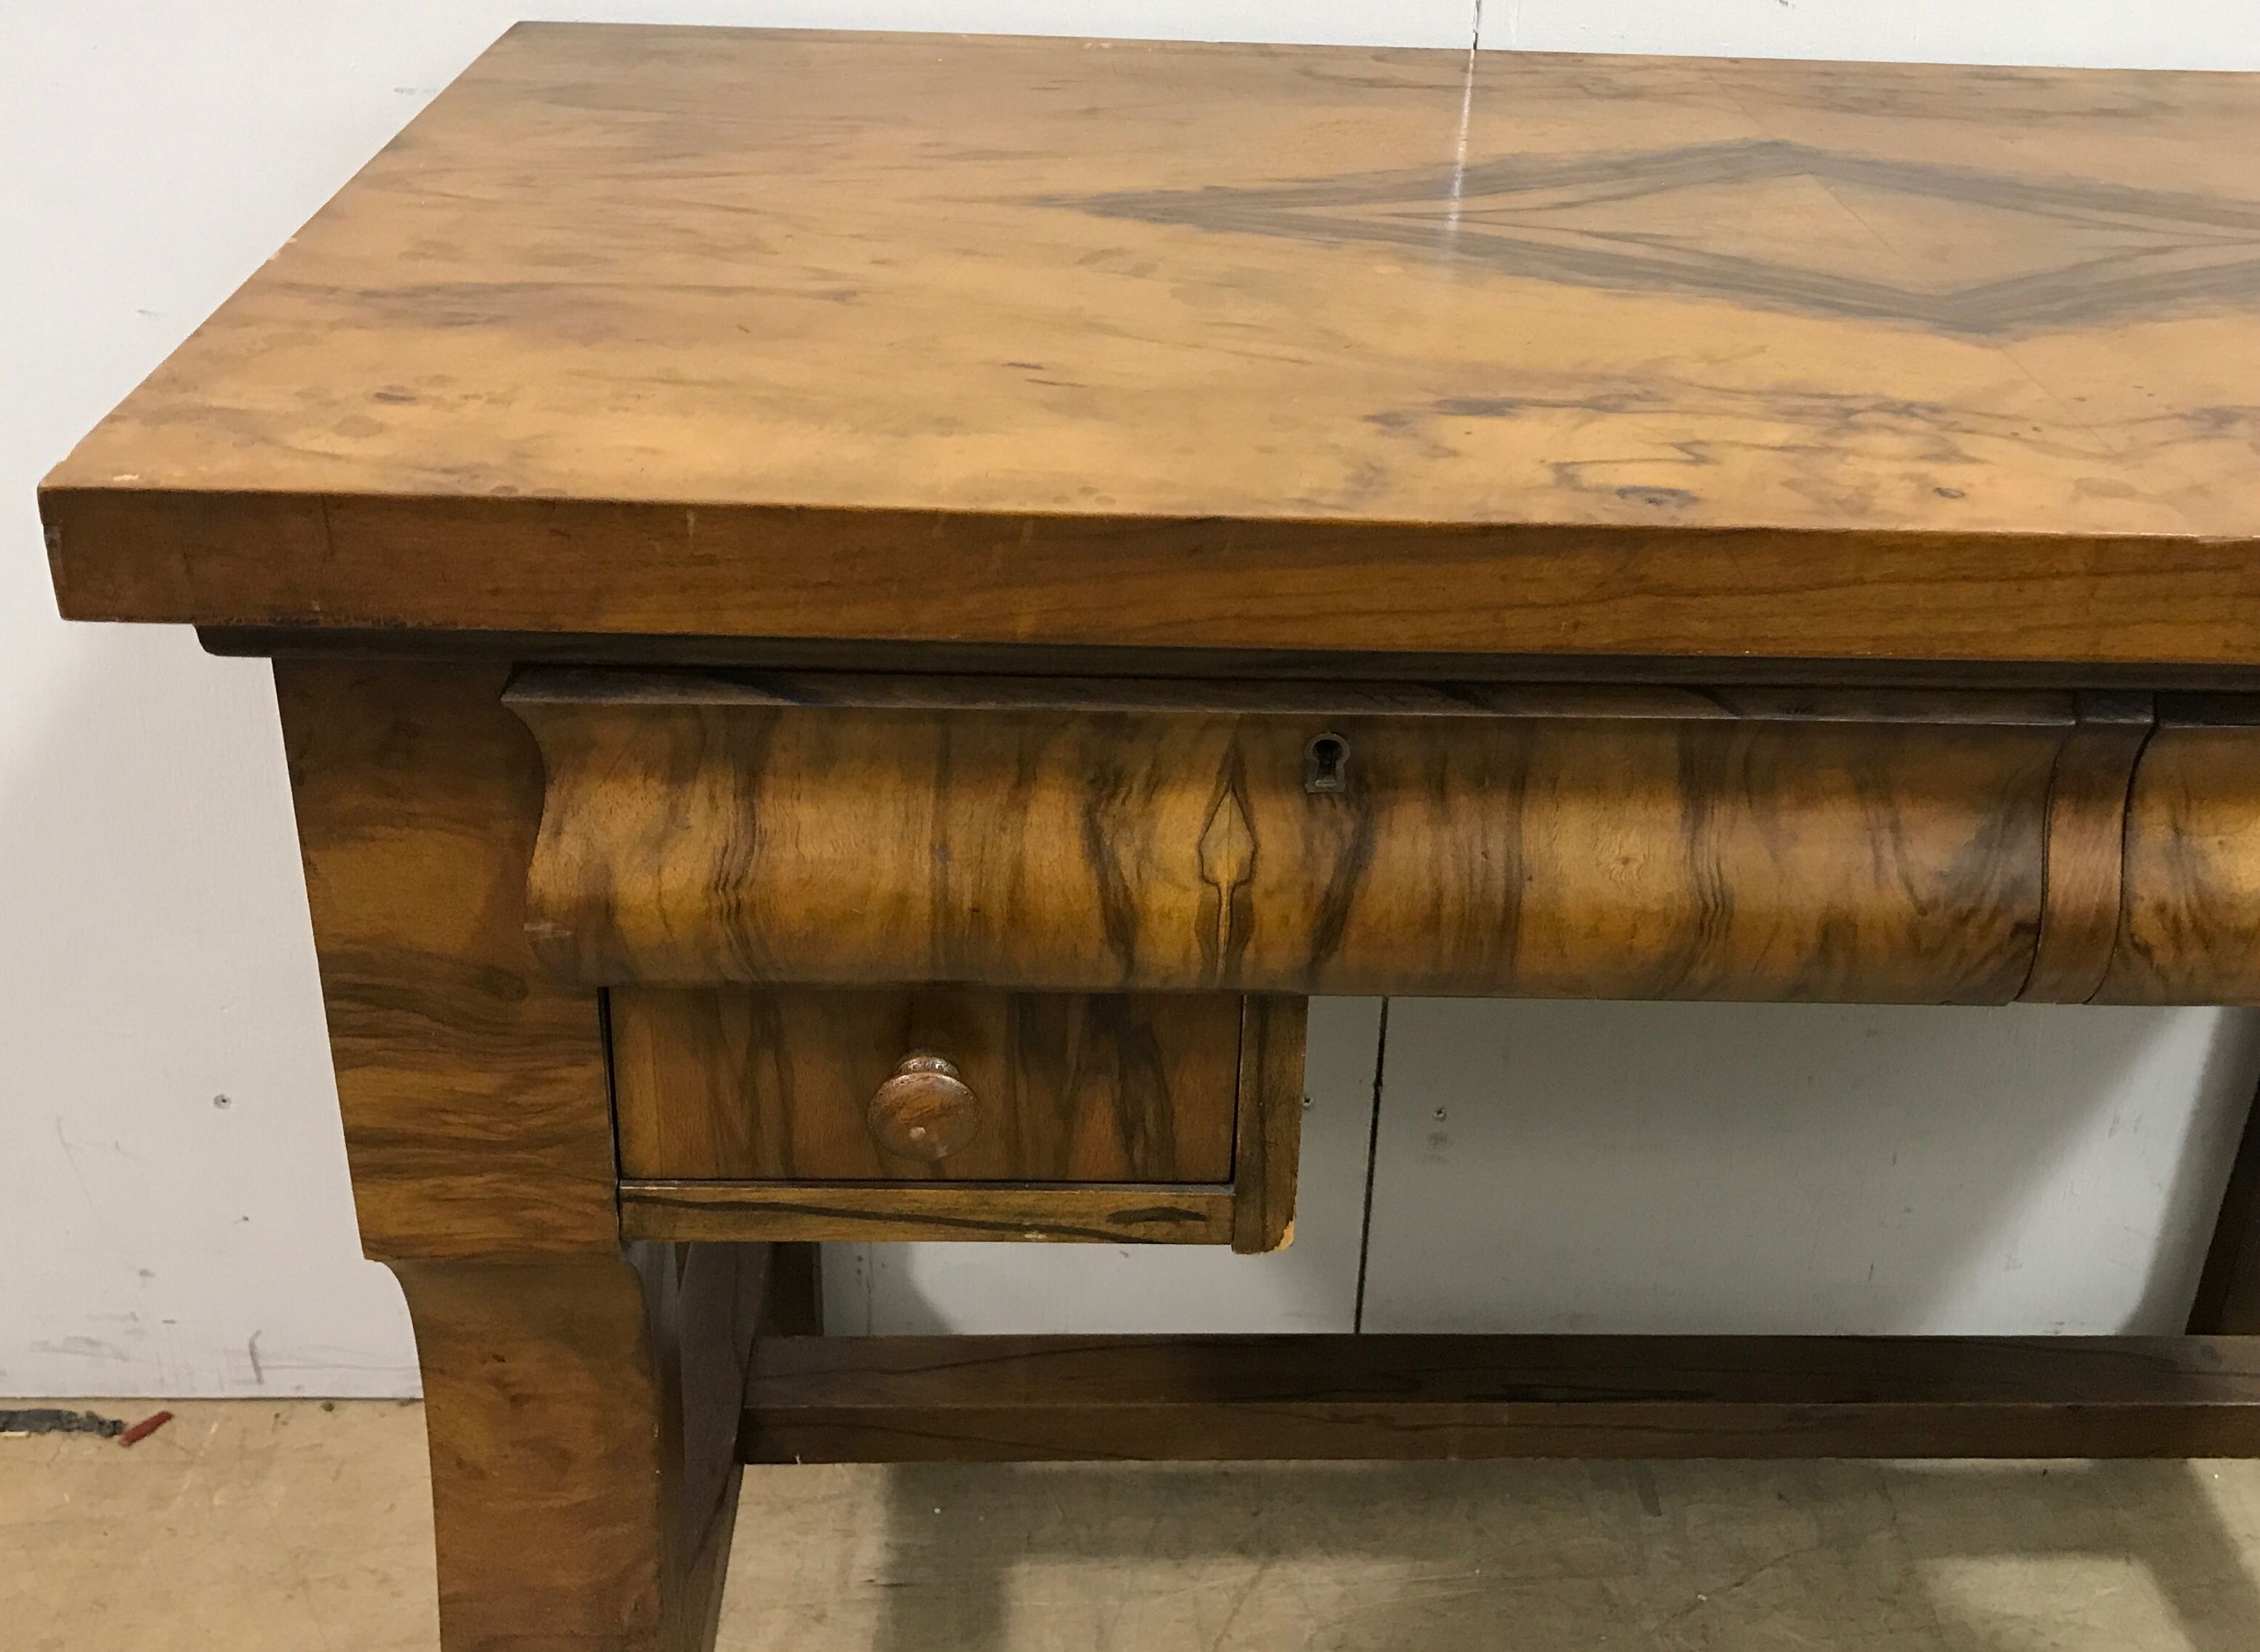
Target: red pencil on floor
{"points": [[143, 1429]]}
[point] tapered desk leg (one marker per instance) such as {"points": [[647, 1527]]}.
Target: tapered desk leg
{"points": [[582, 1419], [582, 1398]]}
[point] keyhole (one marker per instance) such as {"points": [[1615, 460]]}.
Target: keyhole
{"points": [[1325, 764]]}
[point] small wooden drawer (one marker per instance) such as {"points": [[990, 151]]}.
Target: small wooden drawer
{"points": [[799, 1112], [778, 1083]]}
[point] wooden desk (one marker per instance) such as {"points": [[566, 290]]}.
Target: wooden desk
{"points": [[859, 620]]}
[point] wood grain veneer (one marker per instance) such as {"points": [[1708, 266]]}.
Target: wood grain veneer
{"points": [[1273, 1037], [477, 1116], [742, 1117], [1630, 843], [2189, 928], [1235, 346], [775, 1084], [581, 1416]]}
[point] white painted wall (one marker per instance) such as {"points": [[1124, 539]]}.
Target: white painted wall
{"points": [[154, 953], [2081, 33], [1786, 1168]]}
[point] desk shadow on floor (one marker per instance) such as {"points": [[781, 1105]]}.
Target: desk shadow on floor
{"points": [[1399, 1557]]}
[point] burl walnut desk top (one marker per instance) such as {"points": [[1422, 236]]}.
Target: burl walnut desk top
{"points": [[861, 619]]}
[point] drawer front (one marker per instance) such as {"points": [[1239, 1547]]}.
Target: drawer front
{"points": [[809, 1084], [1118, 837]]}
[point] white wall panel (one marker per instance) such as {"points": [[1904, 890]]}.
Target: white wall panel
{"points": [[1318, 22], [1798, 1167], [2185, 34]]}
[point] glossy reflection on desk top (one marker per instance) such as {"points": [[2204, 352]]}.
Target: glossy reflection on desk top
{"points": [[755, 276]]}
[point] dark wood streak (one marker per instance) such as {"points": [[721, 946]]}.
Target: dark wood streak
{"points": [[1106, 818], [717, 1211], [2087, 848], [1137, 1089], [735, 859], [1469, 215], [1706, 772], [1228, 865], [1344, 835]]}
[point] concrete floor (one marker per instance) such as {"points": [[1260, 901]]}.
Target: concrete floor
{"points": [[258, 1527]]}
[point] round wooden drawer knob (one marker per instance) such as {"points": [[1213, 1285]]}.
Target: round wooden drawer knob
{"points": [[926, 1110]]}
